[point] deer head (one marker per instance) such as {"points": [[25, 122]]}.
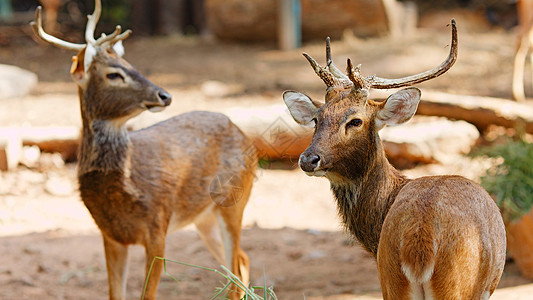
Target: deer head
{"points": [[346, 141], [110, 88]]}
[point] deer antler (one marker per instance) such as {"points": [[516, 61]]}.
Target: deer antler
{"points": [[331, 75], [91, 26], [92, 20], [382, 83], [37, 27], [334, 78], [89, 31]]}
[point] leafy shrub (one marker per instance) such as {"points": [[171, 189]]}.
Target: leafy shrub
{"points": [[510, 182]]}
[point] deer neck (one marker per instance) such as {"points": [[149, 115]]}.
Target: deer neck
{"points": [[105, 145], [364, 201]]}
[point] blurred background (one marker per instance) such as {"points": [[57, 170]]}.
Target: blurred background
{"points": [[237, 57]]}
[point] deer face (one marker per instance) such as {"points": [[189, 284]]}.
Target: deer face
{"points": [[110, 88], [346, 140], [114, 90], [346, 128]]}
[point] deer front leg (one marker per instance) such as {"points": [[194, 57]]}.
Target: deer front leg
{"points": [[154, 248], [116, 257]]}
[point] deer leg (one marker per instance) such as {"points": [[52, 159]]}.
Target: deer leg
{"points": [[209, 231], [223, 243], [153, 248], [518, 71], [236, 258], [116, 256]]}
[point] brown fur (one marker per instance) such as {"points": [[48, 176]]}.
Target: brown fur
{"points": [[196, 168], [440, 236], [172, 166], [135, 184]]}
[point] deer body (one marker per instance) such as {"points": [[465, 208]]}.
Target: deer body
{"points": [[196, 168], [164, 182], [437, 237]]}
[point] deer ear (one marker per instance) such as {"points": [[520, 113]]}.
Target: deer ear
{"points": [[77, 70], [399, 108], [301, 107]]}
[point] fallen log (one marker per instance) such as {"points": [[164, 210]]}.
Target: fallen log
{"points": [[479, 111], [277, 136], [425, 140]]}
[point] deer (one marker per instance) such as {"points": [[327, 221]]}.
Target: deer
{"points": [[195, 168], [433, 237], [525, 43]]}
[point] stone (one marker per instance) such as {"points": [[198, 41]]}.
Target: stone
{"points": [[15, 82]]}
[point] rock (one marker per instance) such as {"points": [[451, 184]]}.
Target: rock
{"points": [[217, 89], [30, 156], [59, 186], [15, 82]]}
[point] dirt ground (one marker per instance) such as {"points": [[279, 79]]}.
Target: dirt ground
{"points": [[51, 249]]}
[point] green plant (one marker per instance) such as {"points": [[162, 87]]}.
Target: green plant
{"points": [[250, 292], [510, 182]]}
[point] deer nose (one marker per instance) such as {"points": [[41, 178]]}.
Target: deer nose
{"points": [[165, 97], [309, 163]]}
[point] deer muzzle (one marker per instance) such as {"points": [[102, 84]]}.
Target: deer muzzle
{"points": [[310, 164], [164, 100]]}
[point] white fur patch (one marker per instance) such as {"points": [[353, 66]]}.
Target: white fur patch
{"points": [[426, 274], [119, 48], [90, 52], [156, 109], [485, 296], [428, 291]]}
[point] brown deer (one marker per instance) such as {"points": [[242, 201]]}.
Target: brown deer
{"points": [[525, 43], [437, 237], [196, 168]]}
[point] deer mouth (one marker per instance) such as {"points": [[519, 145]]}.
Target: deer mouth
{"points": [[317, 173], [154, 107]]}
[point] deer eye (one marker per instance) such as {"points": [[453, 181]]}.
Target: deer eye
{"points": [[354, 123], [114, 76]]}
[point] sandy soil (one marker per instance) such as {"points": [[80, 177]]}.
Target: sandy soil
{"points": [[51, 249]]}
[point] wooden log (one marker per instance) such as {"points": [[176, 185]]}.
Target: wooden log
{"points": [[426, 140], [244, 20], [273, 131], [479, 111]]}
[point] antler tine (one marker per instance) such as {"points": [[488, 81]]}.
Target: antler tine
{"points": [[37, 27], [323, 73], [113, 37], [382, 83], [92, 21], [330, 65], [359, 82]]}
